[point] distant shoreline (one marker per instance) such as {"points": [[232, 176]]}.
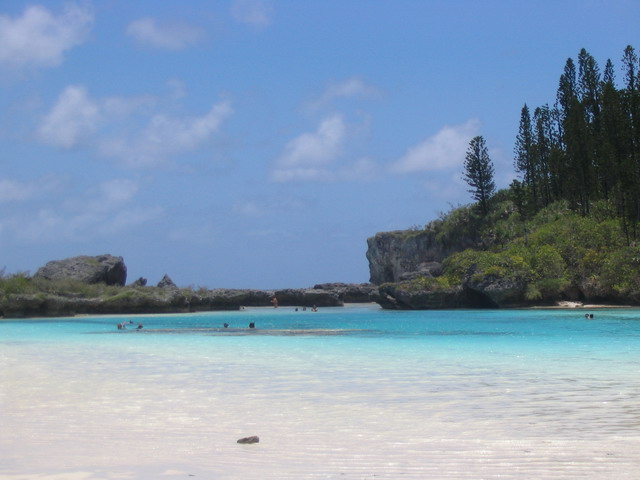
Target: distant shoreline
{"points": [[373, 305], [578, 306]]}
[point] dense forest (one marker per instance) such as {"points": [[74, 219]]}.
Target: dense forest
{"points": [[569, 226], [586, 147]]}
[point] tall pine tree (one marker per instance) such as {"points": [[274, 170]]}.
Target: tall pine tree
{"points": [[525, 161], [479, 172]]}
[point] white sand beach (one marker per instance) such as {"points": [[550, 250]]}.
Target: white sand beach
{"points": [[84, 415]]}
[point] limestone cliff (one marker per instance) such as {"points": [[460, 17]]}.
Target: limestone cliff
{"points": [[403, 254]]}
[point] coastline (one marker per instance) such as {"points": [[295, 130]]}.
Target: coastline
{"points": [[141, 300], [348, 305], [581, 306]]}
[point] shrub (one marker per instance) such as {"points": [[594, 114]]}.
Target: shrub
{"points": [[621, 271], [462, 222], [18, 283], [427, 284], [481, 264], [547, 263]]}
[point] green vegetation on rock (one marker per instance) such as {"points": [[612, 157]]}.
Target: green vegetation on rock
{"points": [[556, 254]]}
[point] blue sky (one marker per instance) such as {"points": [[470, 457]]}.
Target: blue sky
{"points": [[258, 143]]}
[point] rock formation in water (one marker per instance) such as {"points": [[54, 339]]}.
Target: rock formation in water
{"points": [[105, 269]]}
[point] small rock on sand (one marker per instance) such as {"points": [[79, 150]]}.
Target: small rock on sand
{"points": [[253, 439]]}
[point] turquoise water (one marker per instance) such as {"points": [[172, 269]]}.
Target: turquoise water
{"points": [[354, 392], [546, 334], [622, 326]]}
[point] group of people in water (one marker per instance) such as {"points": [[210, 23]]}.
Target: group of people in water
{"points": [[123, 325], [274, 302], [251, 325]]}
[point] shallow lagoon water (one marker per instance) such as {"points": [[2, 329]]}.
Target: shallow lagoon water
{"points": [[348, 393]]}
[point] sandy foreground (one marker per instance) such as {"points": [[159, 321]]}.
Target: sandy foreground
{"points": [[448, 459]]}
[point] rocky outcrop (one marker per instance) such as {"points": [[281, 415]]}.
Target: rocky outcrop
{"points": [[495, 292], [228, 299], [151, 300], [403, 296], [106, 271], [41, 305], [492, 292], [307, 298], [401, 261], [399, 255], [351, 292], [99, 269], [166, 282], [249, 440], [140, 282]]}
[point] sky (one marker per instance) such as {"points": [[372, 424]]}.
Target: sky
{"points": [[259, 143]]}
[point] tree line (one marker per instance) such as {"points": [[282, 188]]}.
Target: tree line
{"points": [[583, 149]]}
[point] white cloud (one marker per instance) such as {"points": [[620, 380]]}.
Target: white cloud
{"points": [[195, 234], [258, 13], [76, 116], [451, 188], [50, 225], [109, 126], [165, 136], [250, 208], [265, 206], [307, 156], [178, 88], [105, 210], [118, 191], [443, 151], [73, 117], [16, 191], [350, 88], [129, 218], [171, 36], [361, 169], [111, 194], [39, 38]]}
